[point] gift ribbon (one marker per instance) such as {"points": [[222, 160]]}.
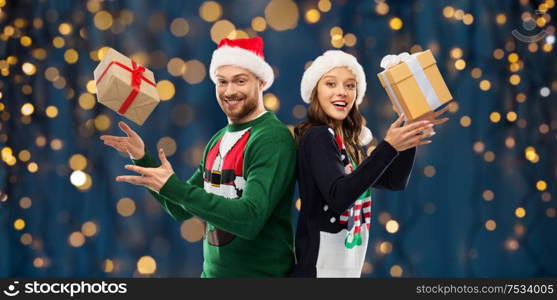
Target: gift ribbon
{"points": [[423, 82], [136, 71], [418, 73]]}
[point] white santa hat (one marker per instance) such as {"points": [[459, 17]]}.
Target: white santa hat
{"points": [[329, 60], [244, 53]]}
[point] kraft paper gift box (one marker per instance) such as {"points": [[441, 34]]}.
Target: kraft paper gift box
{"points": [[126, 87], [415, 86]]}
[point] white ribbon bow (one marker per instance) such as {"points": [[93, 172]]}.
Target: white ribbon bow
{"points": [[392, 60]]}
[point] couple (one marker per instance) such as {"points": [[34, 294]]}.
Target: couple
{"points": [[244, 185]]}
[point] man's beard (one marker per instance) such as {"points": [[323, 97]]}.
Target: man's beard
{"points": [[248, 105]]}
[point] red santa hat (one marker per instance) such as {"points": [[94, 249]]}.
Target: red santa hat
{"points": [[244, 53]]}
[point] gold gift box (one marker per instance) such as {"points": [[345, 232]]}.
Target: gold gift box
{"points": [[416, 86], [117, 89]]}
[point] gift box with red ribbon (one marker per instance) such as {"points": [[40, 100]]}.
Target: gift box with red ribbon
{"points": [[126, 87]]}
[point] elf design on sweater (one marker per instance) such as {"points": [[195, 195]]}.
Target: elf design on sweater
{"points": [[335, 216]]}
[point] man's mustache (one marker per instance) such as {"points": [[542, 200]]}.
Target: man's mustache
{"points": [[232, 97]]}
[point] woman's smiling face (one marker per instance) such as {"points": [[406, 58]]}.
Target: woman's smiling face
{"points": [[336, 92]]}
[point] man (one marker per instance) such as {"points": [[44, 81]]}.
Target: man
{"points": [[243, 187]]}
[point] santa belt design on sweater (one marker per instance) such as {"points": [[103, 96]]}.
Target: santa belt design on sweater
{"points": [[223, 176]]}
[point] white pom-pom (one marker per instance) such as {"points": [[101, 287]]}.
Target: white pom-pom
{"points": [[365, 136]]}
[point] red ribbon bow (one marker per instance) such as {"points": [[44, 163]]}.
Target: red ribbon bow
{"points": [[136, 71]]}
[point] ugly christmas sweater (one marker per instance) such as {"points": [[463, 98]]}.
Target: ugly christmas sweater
{"points": [[335, 215], [243, 191]]}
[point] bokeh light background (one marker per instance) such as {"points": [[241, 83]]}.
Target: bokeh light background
{"points": [[481, 199]]}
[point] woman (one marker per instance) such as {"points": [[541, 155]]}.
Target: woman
{"points": [[334, 173]]}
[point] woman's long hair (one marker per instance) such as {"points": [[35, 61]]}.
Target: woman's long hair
{"points": [[351, 126]]}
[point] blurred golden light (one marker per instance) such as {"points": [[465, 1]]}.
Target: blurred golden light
{"points": [[485, 85], [385, 247], [479, 147], [489, 156], [337, 41], [460, 64], [38, 262], [501, 19], [26, 239], [195, 72], [459, 14], [65, 28], [395, 23], [382, 8], [509, 142], [146, 265], [58, 42], [221, 29], [468, 19], [89, 229], [271, 102], [498, 53], [511, 116], [86, 101], [495, 117], [51, 111], [465, 121], [396, 271], [102, 122], [19, 224], [520, 212], [176, 66], [125, 207], [25, 202], [166, 90], [511, 245], [33, 167], [27, 109], [282, 14], [168, 144], [324, 5], [108, 266], [179, 27], [210, 11], [192, 230], [258, 24], [28, 68], [24, 155], [550, 212], [71, 56], [298, 204], [514, 79], [25, 41], [429, 171], [76, 239], [456, 53], [541, 185], [350, 40], [391, 226], [476, 73], [488, 195], [490, 225], [299, 111], [77, 162], [103, 20], [448, 12], [312, 16], [513, 57]]}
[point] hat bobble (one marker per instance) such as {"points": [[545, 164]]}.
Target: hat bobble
{"points": [[365, 136]]}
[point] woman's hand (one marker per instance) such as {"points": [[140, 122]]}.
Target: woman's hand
{"points": [[132, 143], [409, 135]]}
